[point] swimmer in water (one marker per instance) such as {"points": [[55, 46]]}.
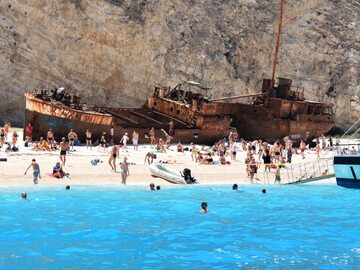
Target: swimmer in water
{"points": [[263, 191], [158, 187], [235, 187], [24, 195], [67, 187], [204, 207], [152, 186]]}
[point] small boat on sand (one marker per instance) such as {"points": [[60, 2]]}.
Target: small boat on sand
{"points": [[171, 175]]}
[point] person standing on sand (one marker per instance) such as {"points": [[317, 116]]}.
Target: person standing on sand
{"points": [[135, 140], [124, 171], [302, 149], [2, 137], [88, 139], [36, 170], [50, 137], [29, 132], [114, 153], [317, 150], [124, 141], [14, 137], [193, 152], [7, 126], [72, 136], [102, 141], [64, 147], [152, 136], [112, 133], [171, 127]]}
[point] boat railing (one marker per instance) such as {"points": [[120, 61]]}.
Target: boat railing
{"points": [[300, 173], [347, 149]]}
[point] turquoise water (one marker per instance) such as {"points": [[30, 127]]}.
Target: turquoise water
{"points": [[290, 227]]}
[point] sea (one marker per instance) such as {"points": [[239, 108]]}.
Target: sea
{"points": [[307, 226]]}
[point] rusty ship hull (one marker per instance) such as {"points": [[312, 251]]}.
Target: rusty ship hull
{"points": [[46, 114], [276, 113]]}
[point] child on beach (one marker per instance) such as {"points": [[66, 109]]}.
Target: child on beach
{"points": [[36, 170]]}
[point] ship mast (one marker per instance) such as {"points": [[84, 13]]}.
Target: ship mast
{"points": [[277, 42]]}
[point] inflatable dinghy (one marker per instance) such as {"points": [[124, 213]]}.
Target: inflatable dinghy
{"points": [[171, 175]]}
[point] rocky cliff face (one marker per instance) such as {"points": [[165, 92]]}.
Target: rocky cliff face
{"points": [[113, 51]]}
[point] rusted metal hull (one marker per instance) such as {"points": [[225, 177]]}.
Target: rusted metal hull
{"points": [[44, 115], [256, 122]]}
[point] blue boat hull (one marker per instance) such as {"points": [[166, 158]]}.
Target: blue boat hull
{"points": [[347, 171]]}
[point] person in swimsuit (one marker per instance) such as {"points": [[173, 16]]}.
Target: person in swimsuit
{"points": [[302, 148], [135, 140], [168, 139], [14, 138], [149, 157], [36, 170], [124, 171], [171, 127], [58, 171], [112, 133], [102, 141], [88, 139], [29, 132], [152, 136], [2, 137], [72, 136], [114, 153], [50, 137], [194, 152], [124, 141], [64, 147], [204, 206], [7, 126]]}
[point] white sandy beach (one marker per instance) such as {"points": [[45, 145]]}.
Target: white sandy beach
{"points": [[83, 173]]}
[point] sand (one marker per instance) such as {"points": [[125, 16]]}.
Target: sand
{"points": [[83, 173]]}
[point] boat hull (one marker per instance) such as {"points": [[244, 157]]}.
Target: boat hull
{"points": [[45, 115], [347, 171]]}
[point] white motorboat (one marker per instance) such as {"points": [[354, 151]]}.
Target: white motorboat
{"points": [[171, 175]]}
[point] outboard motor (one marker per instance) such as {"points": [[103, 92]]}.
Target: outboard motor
{"points": [[187, 176]]}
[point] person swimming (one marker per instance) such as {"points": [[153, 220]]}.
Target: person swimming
{"points": [[152, 186], [158, 187], [263, 191], [235, 187], [67, 187], [24, 195], [204, 206]]}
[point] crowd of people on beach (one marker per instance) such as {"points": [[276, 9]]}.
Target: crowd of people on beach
{"points": [[259, 153]]}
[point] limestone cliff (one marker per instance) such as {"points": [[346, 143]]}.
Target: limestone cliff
{"points": [[113, 51]]}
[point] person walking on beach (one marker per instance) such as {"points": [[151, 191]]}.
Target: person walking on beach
{"points": [[72, 136], [88, 135], [114, 153], [317, 150], [124, 141], [36, 171], [50, 137], [64, 147], [124, 171], [152, 136], [29, 132], [135, 140]]}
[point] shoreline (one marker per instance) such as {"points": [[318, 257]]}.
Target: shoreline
{"points": [[79, 166]]}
